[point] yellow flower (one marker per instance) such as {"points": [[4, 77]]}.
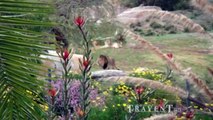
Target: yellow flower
{"points": [[105, 93], [206, 104], [45, 107], [124, 87], [122, 83], [118, 104], [104, 110], [96, 83], [110, 88], [28, 91], [124, 105], [113, 105], [129, 100], [195, 106]]}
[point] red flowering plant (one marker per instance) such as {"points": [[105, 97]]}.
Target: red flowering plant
{"points": [[65, 54], [170, 56], [63, 89], [168, 74], [142, 94], [62, 98], [139, 91], [85, 67], [79, 21], [61, 92], [52, 92], [160, 104]]}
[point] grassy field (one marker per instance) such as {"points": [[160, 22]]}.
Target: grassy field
{"points": [[191, 50]]}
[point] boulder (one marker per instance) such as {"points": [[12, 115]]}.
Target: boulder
{"points": [[107, 73]]}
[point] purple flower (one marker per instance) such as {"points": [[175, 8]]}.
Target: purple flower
{"points": [[74, 96]]}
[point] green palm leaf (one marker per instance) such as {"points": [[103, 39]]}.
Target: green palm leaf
{"points": [[19, 52]]}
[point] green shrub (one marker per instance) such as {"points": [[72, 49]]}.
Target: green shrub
{"points": [[186, 30], [130, 3], [164, 4], [169, 27], [149, 32], [156, 25], [137, 29]]}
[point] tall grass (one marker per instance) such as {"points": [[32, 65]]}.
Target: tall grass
{"points": [[186, 74]]}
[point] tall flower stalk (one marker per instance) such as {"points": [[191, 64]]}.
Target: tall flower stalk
{"points": [[65, 56], [85, 66]]}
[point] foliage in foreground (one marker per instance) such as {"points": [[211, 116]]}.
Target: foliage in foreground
{"points": [[19, 56], [119, 98]]}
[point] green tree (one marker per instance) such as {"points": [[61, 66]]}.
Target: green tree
{"points": [[20, 48]]}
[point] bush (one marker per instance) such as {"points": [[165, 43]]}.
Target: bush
{"points": [[186, 30], [149, 33], [172, 29], [156, 25], [130, 3], [164, 4]]}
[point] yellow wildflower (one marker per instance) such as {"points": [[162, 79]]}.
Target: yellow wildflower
{"points": [[124, 105], [105, 93], [206, 104], [195, 106]]}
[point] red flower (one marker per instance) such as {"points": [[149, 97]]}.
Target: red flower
{"points": [[79, 21], [160, 105], [52, 92], [169, 55], [189, 115], [66, 54], [139, 90], [86, 63]]}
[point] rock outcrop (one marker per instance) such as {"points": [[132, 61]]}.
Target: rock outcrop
{"points": [[153, 17]]}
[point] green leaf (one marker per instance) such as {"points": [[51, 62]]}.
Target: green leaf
{"points": [[19, 60]]}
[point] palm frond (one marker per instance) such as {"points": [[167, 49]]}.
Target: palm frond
{"points": [[19, 56]]}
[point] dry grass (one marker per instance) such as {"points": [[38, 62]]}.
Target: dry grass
{"points": [[148, 83], [189, 75], [169, 116]]}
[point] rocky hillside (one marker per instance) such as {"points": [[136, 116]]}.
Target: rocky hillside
{"points": [[146, 20], [151, 20]]}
